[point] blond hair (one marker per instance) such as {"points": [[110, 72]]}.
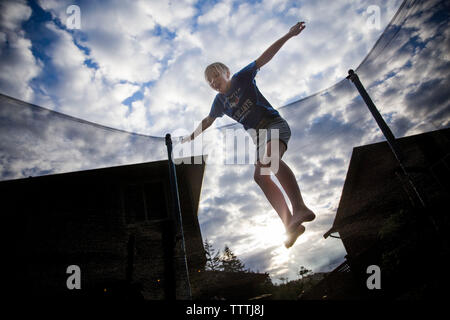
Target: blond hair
{"points": [[216, 66]]}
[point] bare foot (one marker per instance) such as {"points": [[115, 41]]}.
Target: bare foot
{"points": [[299, 217], [292, 236]]}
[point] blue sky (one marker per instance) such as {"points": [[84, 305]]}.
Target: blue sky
{"points": [[138, 66], [139, 50]]}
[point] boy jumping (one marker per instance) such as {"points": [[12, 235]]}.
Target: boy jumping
{"points": [[240, 99]]}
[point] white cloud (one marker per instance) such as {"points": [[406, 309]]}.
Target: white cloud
{"points": [[169, 44], [18, 65], [13, 13], [85, 92], [217, 14]]}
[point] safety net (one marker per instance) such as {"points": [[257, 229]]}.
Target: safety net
{"points": [[406, 73]]}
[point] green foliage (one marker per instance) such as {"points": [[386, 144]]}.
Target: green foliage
{"points": [[293, 289], [213, 262], [231, 263], [303, 272], [227, 261]]}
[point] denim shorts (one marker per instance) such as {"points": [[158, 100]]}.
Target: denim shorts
{"points": [[261, 137]]}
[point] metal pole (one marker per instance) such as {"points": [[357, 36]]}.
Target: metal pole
{"points": [[386, 131], [176, 215]]}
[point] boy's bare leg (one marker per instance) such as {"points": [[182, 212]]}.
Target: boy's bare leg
{"points": [[274, 195], [301, 213]]}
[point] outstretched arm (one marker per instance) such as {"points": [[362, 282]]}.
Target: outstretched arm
{"points": [[205, 124], [276, 46]]}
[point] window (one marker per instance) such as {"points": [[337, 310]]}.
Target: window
{"points": [[155, 199], [145, 201]]}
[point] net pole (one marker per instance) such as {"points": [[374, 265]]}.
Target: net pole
{"points": [[176, 212], [352, 76]]}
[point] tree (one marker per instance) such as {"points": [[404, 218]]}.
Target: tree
{"points": [[230, 263], [283, 279], [303, 272], [213, 262]]}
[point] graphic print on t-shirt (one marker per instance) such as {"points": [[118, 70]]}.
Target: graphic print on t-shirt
{"points": [[245, 103], [238, 113], [243, 111], [233, 99]]}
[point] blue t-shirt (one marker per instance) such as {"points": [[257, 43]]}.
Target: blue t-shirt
{"points": [[244, 102]]}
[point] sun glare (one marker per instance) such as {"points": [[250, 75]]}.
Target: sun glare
{"points": [[270, 233]]}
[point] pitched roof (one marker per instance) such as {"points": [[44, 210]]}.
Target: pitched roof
{"points": [[371, 180]]}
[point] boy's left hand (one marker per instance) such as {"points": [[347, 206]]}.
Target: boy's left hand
{"points": [[296, 29]]}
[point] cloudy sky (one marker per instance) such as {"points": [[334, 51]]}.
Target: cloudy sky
{"points": [[138, 66]]}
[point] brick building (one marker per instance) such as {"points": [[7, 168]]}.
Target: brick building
{"points": [[113, 223], [380, 223]]}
